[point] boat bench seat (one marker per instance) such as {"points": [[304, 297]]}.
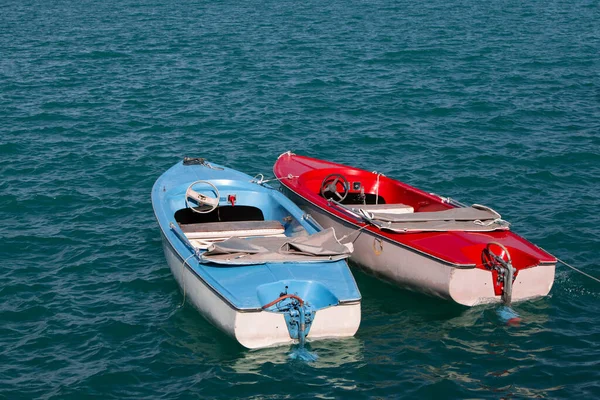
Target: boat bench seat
{"points": [[216, 230], [386, 208]]}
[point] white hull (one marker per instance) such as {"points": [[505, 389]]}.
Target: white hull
{"points": [[417, 271], [255, 329]]}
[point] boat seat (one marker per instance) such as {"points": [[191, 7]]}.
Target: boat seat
{"points": [[232, 229], [385, 208]]}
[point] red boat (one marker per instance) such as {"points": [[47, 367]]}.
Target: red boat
{"points": [[416, 239]]}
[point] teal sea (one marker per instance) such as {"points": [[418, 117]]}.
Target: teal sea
{"points": [[496, 103]]}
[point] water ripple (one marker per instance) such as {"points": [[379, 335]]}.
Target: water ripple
{"points": [[488, 103]]}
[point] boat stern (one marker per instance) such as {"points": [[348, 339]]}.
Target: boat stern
{"points": [[295, 311], [265, 328], [475, 286]]}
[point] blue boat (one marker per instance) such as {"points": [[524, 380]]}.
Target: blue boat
{"points": [[250, 260]]}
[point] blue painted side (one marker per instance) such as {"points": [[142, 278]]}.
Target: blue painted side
{"points": [[249, 287], [320, 296]]}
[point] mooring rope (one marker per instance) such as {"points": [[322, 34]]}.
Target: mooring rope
{"points": [[263, 180], [352, 233], [379, 174], [283, 297], [578, 270], [183, 278]]}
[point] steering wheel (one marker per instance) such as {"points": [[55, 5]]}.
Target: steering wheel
{"points": [[202, 200], [495, 255], [330, 184]]}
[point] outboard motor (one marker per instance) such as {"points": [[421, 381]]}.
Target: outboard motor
{"points": [[299, 302], [496, 258]]}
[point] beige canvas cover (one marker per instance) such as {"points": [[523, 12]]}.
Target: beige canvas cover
{"points": [[319, 247], [476, 218]]}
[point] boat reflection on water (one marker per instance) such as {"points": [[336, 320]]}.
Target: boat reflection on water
{"points": [[331, 354], [532, 316], [413, 310], [187, 340]]}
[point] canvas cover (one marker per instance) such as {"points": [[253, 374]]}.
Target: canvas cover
{"points": [[476, 218], [319, 247]]}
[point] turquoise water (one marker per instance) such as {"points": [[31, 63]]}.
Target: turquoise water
{"points": [[497, 104]]}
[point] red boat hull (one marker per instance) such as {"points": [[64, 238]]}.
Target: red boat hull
{"points": [[447, 264]]}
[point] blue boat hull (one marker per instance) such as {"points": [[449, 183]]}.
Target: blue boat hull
{"points": [[233, 298]]}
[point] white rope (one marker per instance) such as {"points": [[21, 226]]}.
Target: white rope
{"points": [[350, 234], [377, 187], [578, 270], [377, 191], [207, 164], [183, 278], [490, 223], [289, 153], [263, 180]]}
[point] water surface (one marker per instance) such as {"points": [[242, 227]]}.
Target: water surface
{"points": [[497, 104]]}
